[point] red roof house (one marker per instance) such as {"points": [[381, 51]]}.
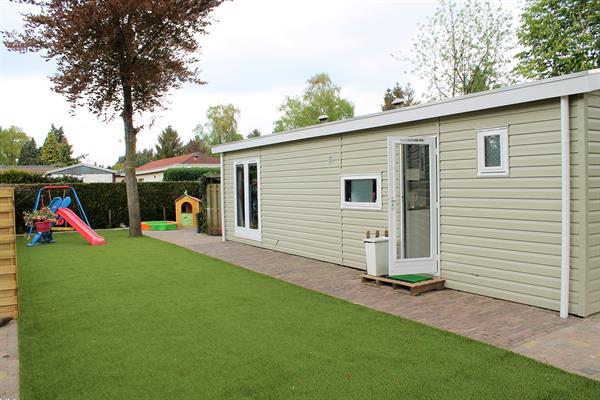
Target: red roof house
{"points": [[154, 170]]}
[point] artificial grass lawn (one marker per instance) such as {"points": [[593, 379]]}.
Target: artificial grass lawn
{"points": [[143, 319]]}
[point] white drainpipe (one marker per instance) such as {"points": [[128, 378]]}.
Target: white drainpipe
{"points": [[222, 200], [565, 140]]}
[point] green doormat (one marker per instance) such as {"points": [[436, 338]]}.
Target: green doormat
{"points": [[410, 278]]}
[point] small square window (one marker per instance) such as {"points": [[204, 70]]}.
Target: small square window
{"points": [[361, 191], [492, 152]]}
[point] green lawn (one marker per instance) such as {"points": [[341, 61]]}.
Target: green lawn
{"points": [[143, 319]]}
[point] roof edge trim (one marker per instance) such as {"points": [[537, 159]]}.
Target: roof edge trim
{"points": [[564, 85]]}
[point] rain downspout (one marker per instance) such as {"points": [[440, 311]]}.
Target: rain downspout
{"points": [[222, 200], [565, 142]]}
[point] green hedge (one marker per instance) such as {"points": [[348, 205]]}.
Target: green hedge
{"points": [[188, 174], [17, 177], [98, 198]]}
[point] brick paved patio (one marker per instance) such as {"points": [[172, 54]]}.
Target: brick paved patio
{"points": [[572, 344]]}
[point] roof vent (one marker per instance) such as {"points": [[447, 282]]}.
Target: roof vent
{"points": [[397, 102], [323, 118]]}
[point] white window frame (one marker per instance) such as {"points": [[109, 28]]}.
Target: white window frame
{"points": [[359, 205], [501, 170], [246, 232]]}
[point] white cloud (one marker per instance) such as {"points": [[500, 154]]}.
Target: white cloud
{"points": [[258, 52]]}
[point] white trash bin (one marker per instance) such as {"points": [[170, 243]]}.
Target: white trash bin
{"points": [[376, 250]]}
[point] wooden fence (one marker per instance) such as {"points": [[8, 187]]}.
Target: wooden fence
{"points": [[9, 307], [213, 209]]}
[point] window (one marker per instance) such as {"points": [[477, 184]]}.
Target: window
{"points": [[361, 191], [246, 179], [492, 152]]}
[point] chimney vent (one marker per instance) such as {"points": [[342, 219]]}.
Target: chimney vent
{"points": [[397, 102]]}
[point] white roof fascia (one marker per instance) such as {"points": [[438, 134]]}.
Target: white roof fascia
{"points": [[564, 85]]}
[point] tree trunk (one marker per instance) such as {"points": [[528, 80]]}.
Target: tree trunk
{"points": [[133, 198]]}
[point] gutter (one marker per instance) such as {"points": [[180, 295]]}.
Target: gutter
{"points": [[222, 200], [565, 142]]}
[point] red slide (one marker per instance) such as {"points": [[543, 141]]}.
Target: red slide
{"points": [[88, 233]]}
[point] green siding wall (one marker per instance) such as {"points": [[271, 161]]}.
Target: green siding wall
{"points": [[593, 202], [500, 236]]}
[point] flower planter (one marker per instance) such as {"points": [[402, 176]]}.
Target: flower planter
{"points": [[42, 227]]}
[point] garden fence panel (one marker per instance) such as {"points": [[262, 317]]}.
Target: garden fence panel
{"points": [[9, 305], [213, 209]]}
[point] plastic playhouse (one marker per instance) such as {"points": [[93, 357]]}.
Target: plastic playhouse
{"points": [[59, 205], [186, 207]]}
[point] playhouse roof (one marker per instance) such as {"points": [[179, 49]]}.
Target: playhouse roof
{"points": [[565, 85], [187, 195]]}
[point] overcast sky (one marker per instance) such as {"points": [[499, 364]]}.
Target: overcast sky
{"points": [[257, 52]]}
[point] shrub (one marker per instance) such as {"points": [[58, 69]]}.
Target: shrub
{"points": [[100, 199], [13, 176], [188, 174]]}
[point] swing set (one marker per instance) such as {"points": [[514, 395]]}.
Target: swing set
{"points": [[68, 220]]}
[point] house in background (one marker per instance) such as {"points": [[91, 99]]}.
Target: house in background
{"points": [[33, 169], [86, 172], [154, 170], [498, 192]]}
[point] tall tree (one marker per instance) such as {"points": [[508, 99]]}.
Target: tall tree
{"points": [[11, 141], [51, 152], [254, 133], [56, 149], [66, 150], [169, 144], [464, 48], [406, 93], [559, 37], [30, 154], [321, 97], [222, 126], [141, 158], [196, 145], [117, 57]]}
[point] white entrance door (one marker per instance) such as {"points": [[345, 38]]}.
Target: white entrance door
{"points": [[413, 205]]}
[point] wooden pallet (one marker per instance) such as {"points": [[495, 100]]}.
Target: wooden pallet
{"points": [[414, 289]]}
